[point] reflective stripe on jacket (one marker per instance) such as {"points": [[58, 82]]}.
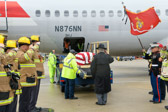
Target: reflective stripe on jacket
{"points": [[70, 67]]}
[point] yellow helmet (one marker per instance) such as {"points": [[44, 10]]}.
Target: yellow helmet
{"points": [[35, 38], [2, 39], [11, 43], [24, 40]]}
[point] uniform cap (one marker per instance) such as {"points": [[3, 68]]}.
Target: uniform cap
{"points": [[154, 44]]}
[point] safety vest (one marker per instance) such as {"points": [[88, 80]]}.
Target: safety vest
{"points": [[52, 60], [80, 46], [28, 68], [70, 67], [66, 44]]}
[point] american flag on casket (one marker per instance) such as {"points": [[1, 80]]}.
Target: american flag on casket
{"points": [[84, 58]]}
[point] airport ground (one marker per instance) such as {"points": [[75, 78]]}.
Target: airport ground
{"points": [[129, 92]]}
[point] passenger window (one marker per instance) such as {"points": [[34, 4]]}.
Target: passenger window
{"points": [[38, 13], [119, 13], [138, 11], [84, 13], [47, 13], [66, 13], [166, 12], [57, 13], [158, 12], [111, 13], [75, 13], [102, 13], [93, 13]]}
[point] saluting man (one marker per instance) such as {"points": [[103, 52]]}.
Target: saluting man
{"points": [[155, 71]]}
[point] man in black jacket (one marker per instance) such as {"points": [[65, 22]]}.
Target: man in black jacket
{"points": [[100, 70]]}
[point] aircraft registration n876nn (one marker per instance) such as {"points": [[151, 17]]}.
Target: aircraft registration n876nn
{"points": [[90, 20]]}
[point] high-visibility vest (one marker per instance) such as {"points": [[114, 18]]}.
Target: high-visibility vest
{"points": [[70, 67]]}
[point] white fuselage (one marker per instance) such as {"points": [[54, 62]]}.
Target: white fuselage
{"points": [[54, 29]]}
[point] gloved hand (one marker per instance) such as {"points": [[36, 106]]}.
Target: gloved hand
{"points": [[15, 77], [9, 74], [81, 75], [8, 66]]}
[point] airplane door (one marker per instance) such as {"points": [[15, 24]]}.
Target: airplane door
{"points": [[3, 16]]}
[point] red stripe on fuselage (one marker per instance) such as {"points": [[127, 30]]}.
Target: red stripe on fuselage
{"points": [[13, 10]]}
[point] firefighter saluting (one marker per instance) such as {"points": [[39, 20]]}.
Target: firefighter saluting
{"points": [[6, 93], [35, 39], [28, 73], [155, 71]]}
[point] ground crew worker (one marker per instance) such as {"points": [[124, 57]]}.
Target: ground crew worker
{"points": [[28, 73], [52, 61], [40, 73], [12, 60], [6, 93], [67, 46], [69, 72], [80, 46], [155, 71]]}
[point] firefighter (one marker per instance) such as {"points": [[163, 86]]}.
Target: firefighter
{"points": [[12, 60], [69, 72], [6, 93], [52, 61], [28, 73], [40, 72], [155, 71]]}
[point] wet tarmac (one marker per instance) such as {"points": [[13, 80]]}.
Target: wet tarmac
{"points": [[129, 92]]}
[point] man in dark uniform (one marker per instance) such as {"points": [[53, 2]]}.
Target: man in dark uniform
{"points": [[100, 70], [155, 71]]}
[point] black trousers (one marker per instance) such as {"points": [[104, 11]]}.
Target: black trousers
{"points": [[25, 98], [4, 108], [13, 106], [163, 89], [34, 95]]}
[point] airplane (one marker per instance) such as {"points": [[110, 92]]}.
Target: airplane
{"points": [[90, 20]]}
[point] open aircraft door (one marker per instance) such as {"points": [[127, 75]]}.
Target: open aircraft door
{"points": [[3, 16]]}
